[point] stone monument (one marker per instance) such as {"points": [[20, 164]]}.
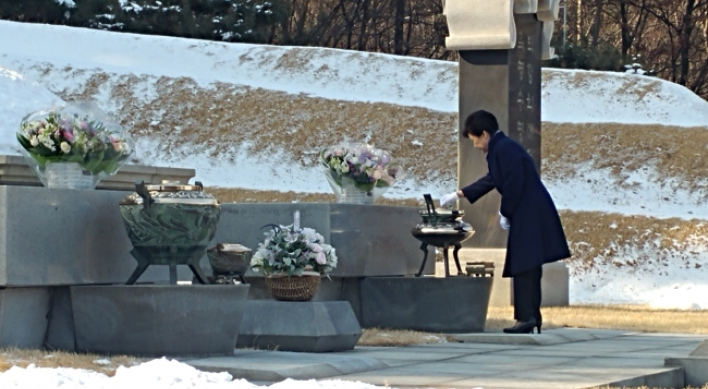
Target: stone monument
{"points": [[501, 45]]}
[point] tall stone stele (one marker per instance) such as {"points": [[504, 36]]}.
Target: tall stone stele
{"points": [[501, 44]]}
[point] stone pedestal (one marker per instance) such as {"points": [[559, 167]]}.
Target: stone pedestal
{"points": [[299, 326], [450, 304], [149, 320]]}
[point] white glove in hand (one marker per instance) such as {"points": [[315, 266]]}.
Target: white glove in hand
{"points": [[448, 199], [504, 222]]}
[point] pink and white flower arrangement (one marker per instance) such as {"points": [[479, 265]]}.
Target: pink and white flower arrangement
{"points": [[362, 166], [75, 133], [290, 251]]}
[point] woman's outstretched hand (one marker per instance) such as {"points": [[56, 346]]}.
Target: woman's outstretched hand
{"points": [[448, 199]]}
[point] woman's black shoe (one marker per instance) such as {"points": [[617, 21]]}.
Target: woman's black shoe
{"points": [[524, 327]]}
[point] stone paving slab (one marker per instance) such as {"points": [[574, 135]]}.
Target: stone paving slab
{"points": [[501, 338], [481, 346], [256, 365], [546, 338], [587, 358], [533, 379]]}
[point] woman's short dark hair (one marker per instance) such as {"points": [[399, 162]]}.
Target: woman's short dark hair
{"points": [[478, 122]]}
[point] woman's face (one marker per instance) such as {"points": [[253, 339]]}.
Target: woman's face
{"points": [[480, 142]]}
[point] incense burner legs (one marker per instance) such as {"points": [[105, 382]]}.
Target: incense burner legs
{"points": [[445, 247]]}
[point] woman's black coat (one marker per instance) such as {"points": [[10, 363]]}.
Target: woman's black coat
{"points": [[536, 235]]}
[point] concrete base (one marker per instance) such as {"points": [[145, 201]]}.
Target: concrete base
{"points": [[695, 369], [23, 317], [555, 283], [695, 366], [158, 320], [94, 248], [299, 326], [452, 304], [35, 318]]}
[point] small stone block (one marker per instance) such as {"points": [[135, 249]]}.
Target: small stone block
{"points": [[158, 320], [313, 326]]}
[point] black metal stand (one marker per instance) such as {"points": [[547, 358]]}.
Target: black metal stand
{"points": [[457, 247], [424, 247], [144, 261]]}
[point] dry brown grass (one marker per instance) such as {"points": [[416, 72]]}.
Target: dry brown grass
{"points": [[619, 317], [600, 237], [396, 338], [674, 153], [238, 195], [40, 358]]}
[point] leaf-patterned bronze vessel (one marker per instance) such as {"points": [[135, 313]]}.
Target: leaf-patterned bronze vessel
{"points": [[169, 224]]}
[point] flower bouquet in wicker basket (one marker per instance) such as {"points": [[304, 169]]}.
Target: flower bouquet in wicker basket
{"points": [[73, 146], [293, 260]]}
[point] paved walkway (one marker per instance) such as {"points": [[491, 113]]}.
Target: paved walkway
{"points": [[558, 358]]}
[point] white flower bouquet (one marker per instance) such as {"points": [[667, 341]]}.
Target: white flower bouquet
{"points": [[79, 133], [360, 170], [289, 251]]}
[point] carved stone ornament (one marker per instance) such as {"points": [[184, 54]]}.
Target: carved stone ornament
{"points": [[489, 25]]}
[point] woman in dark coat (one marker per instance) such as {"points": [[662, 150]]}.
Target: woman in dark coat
{"points": [[535, 232]]}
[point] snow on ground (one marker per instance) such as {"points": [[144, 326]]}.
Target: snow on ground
{"points": [[573, 96], [328, 73], [596, 190], [661, 284], [18, 97], [155, 374]]}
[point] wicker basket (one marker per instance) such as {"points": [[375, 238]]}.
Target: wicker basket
{"points": [[293, 288]]}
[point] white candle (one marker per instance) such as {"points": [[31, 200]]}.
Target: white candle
{"points": [[296, 221]]}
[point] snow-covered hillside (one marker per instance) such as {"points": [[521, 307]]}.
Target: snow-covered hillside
{"points": [[254, 117]]}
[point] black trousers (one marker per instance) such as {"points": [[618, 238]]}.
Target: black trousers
{"points": [[527, 295]]}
